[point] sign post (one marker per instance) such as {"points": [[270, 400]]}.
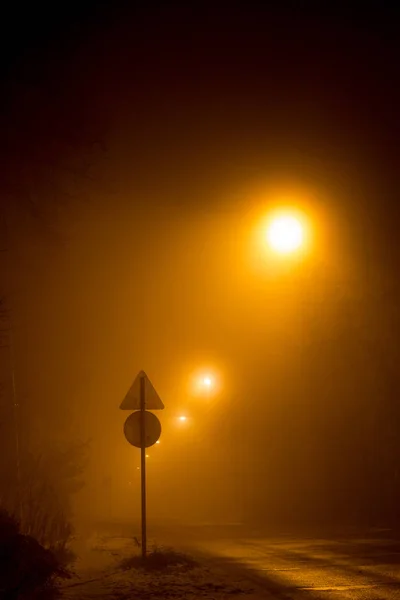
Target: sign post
{"points": [[143, 461], [142, 429]]}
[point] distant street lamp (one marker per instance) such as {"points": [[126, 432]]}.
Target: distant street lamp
{"points": [[207, 381]]}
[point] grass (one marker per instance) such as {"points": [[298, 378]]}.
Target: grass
{"points": [[170, 575], [160, 558], [117, 572]]}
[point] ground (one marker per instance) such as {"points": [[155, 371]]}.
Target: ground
{"points": [[234, 561], [104, 571]]}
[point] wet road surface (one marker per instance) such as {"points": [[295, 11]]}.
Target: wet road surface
{"points": [[348, 566]]}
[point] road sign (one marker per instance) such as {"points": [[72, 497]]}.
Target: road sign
{"points": [[132, 429], [132, 398], [142, 429]]}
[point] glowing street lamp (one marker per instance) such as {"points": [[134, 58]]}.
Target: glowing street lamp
{"points": [[207, 381], [204, 383], [285, 233], [182, 418]]}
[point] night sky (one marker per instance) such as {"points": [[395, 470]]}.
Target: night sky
{"points": [[140, 144]]}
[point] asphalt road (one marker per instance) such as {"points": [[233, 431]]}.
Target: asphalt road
{"points": [[357, 566]]}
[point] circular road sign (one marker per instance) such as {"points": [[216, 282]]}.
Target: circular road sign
{"points": [[132, 429]]}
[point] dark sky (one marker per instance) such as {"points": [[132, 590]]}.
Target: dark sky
{"points": [[137, 145], [290, 84], [224, 97]]}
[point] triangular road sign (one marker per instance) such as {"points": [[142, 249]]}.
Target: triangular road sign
{"points": [[132, 398]]}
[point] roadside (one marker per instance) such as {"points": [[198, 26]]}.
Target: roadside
{"points": [[214, 562], [109, 567]]}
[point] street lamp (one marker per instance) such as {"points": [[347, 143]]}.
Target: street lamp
{"points": [[204, 384], [207, 381], [285, 233]]}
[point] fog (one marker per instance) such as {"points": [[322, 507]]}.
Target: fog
{"points": [[140, 163]]}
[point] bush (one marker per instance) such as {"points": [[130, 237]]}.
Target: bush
{"points": [[48, 482], [43, 491], [25, 565]]}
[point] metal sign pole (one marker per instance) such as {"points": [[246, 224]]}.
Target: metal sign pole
{"points": [[143, 462], [142, 428]]}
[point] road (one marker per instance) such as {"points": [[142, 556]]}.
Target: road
{"points": [[345, 566]]}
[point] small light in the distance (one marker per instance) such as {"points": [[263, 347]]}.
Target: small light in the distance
{"points": [[207, 381]]}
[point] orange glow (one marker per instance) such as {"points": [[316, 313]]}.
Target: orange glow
{"points": [[204, 383], [285, 233], [284, 225], [207, 381]]}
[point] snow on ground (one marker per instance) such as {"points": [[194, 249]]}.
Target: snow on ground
{"points": [[109, 567]]}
